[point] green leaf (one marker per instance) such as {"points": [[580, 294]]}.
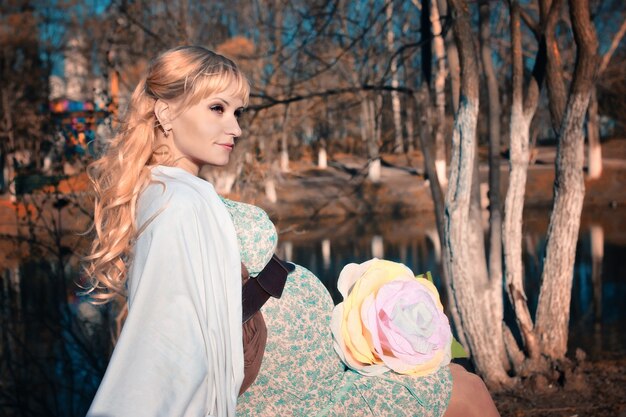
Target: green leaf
{"points": [[457, 350], [427, 276]]}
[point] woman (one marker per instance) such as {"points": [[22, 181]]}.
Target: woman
{"points": [[180, 351], [175, 248]]}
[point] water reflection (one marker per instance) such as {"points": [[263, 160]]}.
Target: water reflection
{"points": [[326, 248], [599, 286], [378, 250], [54, 347], [597, 256], [326, 253]]}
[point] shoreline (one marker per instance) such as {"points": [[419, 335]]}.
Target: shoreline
{"points": [[310, 192], [342, 190]]}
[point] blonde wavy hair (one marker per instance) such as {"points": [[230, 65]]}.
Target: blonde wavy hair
{"points": [[183, 75]]}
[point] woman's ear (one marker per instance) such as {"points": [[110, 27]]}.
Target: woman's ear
{"points": [[163, 115]]}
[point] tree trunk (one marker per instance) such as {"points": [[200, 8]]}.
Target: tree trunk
{"points": [[495, 209], [453, 59], [364, 125], [371, 135], [440, 94], [569, 191], [270, 190], [423, 109], [322, 158], [554, 71], [476, 243], [411, 143], [514, 204], [8, 173], [469, 284], [594, 149], [284, 143], [398, 144], [8, 121]]}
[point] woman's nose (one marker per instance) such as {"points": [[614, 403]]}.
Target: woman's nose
{"points": [[234, 129]]}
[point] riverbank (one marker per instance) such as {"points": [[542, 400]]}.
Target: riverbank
{"points": [[342, 189]]}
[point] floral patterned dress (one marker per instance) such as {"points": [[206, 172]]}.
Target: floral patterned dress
{"points": [[301, 374]]}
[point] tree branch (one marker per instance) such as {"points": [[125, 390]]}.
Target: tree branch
{"points": [[530, 22], [271, 101], [614, 44]]}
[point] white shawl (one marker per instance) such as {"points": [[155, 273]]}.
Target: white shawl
{"points": [[180, 352]]}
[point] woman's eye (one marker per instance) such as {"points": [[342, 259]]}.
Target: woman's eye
{"points": [[238, 113], [218, 108]]}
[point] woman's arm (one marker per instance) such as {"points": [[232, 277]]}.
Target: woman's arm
{"points": [[470, 396]]}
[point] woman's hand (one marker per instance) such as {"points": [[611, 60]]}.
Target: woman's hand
{"points": [[470, 397]]}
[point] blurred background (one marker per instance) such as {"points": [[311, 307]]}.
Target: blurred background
{"points": [[348, 144]]}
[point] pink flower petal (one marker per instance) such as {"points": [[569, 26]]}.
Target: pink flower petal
{"points": [[389, 320]]}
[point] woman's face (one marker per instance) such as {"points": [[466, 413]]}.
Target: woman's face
{"points": [[205, 133]]}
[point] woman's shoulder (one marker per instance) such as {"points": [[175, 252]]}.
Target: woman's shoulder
{"points": [[170, 196], [173, 194], [245, 211], [255, 232]]}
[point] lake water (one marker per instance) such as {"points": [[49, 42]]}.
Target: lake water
{"points": [[598, 311], [54, 346]]}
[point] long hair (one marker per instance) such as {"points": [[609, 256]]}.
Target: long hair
{"points": [[184, 75]]}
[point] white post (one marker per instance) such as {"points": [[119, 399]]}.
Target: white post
{"points": [[326, 253], [377, 247]]}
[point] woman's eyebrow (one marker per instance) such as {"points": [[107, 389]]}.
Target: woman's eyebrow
{"points": [[227, 103]]}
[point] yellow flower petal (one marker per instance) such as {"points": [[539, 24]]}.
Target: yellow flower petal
{"points": [[353, 337], [429, 367], [336, 323]]}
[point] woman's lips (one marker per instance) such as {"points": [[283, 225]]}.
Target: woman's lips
{"points": [[228, 146]]}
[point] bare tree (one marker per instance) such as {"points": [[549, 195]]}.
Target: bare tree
{"points": [[440, 97], [398, 145], [522, 111], [471, 287], [469, 281], [569, 190], [495, 209]]}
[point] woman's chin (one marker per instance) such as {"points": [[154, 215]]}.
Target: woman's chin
{"points": [[221, 162]]}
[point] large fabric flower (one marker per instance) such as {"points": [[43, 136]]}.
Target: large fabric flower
{"points": [[389, 320]]}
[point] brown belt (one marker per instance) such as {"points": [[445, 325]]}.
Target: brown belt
{"points": [[270, 282]]}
